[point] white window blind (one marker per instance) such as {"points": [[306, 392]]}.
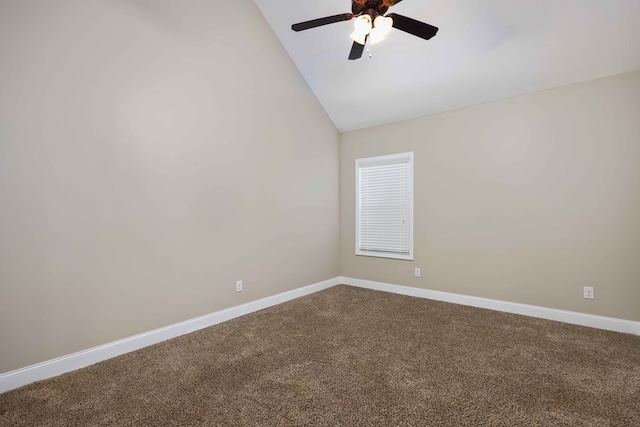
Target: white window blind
{"points": [[384, 206]]}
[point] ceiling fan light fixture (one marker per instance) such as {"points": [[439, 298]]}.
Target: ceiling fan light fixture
{"points": [[358, 38], [362, 27], [383, 25]]}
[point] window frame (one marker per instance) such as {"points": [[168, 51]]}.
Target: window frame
{"points": [[398, 158]]}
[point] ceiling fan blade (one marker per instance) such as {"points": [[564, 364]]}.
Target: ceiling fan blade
{"points": [[321, 21], [356, 51], [411, 26]]}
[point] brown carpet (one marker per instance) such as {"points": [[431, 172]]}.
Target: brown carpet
{"points": [[347, 357]]}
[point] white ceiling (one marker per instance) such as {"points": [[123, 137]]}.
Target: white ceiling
{"points": [[485, 50]]}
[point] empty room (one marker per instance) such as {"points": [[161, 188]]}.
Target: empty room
{"points": [[328, 213]]}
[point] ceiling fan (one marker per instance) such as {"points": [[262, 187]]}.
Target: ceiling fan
{"points": [[371, 24]]}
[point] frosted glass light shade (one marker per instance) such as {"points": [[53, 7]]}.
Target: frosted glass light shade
{"points": [[362, 26], [358, 38], [381, 27]]}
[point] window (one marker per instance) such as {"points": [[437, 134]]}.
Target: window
{"points": [[384, 206]]}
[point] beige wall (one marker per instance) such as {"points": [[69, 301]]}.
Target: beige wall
{"points": [[526, 199], [152, 152]]}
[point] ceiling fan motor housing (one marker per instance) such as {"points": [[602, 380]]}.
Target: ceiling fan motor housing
{"points": [[372, 8]]}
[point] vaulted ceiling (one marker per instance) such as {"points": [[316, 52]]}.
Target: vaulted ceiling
{"points": [[485, 50]]}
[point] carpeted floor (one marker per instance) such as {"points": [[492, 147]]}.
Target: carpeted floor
{"points": [[354, 357]]}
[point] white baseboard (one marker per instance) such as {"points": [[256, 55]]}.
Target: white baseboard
{"points": [[61, 365], [583, 319], [71, 362]]}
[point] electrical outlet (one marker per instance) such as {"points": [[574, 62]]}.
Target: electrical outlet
{"points": [[588, 292], [239, 286], [417, 272]]}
